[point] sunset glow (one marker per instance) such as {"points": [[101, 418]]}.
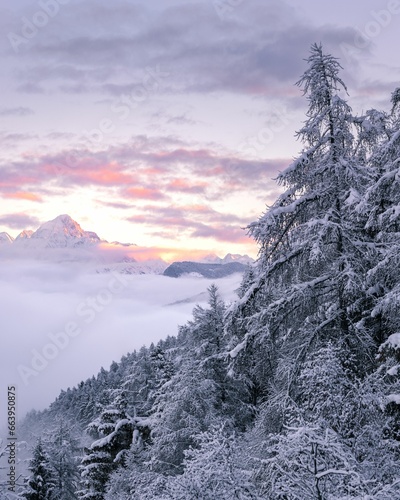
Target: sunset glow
{"points": [[164, 123]]}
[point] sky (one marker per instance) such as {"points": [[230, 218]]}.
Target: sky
{"points": [[164, 123]]}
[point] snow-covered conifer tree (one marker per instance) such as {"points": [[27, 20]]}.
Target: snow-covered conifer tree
{"points": [[113, 431], [212, 471], [309, 287], [40, 485], [62, 451]]}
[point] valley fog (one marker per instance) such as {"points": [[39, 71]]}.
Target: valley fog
{"points": [[62, 322]]}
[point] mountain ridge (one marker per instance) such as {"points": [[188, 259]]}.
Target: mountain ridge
{"points": [[202, 269], [63, 238]]}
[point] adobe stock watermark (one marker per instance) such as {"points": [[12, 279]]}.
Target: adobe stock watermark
{"points": [[224, 8], [151, 83], [278, 120], [48, 9], [379, 20], [85, 313]]}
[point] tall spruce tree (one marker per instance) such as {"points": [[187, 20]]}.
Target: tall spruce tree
{"points": [[309, 288], [299, 333]]}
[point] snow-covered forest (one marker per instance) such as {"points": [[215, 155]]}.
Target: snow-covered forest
{"points": [[292, 391]]}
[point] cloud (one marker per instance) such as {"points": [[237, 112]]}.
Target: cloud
{"points": [[256, 51], [143, 193], [18, 221], [110, 252], [187, 186], [141, 170], [136, 312], [115, 204], [232, 234], [30, 88], [181, 120], [22, 195], [197, 221], [15, 138], [165, 187], [18, 111]]}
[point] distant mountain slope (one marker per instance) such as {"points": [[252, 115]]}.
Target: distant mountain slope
{"points": [[214, 259], [211, 271], [130, 266], [5, 238], [24, 235]]}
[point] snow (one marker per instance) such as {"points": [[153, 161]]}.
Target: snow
{"points": [[393, 371], [234, 352], [292, 207], [5, 238], [393, 341], [99, 455], [121, 423], [119, 457], [393, 398], [229, 257], [60, 232], [153, 266], [101, 443], [353, 198], [243, 259], [24, 235], [334, 471]]}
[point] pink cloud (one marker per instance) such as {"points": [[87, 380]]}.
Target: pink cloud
{"points": [[143, 193], [187, 186], [22, 195], [197, 221], [105, 177], [184, 170], [168, 254], [145, 177]]}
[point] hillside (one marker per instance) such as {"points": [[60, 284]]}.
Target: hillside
{"points": [[211, 271]]}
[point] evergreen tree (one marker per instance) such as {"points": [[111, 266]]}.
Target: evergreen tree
{"points": [[62, 456], [40, 485], [211, 471], [200, 393], [382, 205], [114, 432], [309, 289]]}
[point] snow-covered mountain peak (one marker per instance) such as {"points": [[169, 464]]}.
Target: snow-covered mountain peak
{"points": [[63, 239], [234, 257], [63, 232], [24, 235], [5, 238], [229, 258]]}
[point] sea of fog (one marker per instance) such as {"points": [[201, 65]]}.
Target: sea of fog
{"points": [[60, 323]]}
